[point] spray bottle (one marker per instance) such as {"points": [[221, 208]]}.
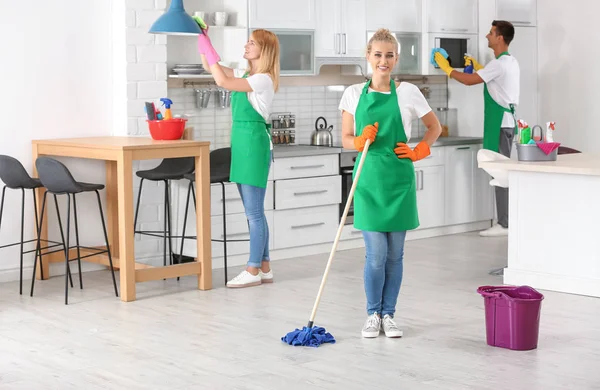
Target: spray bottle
{"points": [[167, 103], [469, 65]]}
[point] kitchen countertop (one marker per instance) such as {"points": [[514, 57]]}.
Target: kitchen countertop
{"points": [[281, 151], [574, 164]]}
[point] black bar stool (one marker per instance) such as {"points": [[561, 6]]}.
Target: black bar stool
{"points": [[15, 177], [168, 169], [220, 164], [58, 181]]}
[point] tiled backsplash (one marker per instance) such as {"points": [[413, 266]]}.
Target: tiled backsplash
{"points": [[307, 103]]}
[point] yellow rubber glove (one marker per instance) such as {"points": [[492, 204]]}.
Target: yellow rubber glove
{"points": [[443, 63], [476, 65]]}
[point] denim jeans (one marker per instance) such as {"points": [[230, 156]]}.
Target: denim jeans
{"points": [[383, 270], [254, 206]]}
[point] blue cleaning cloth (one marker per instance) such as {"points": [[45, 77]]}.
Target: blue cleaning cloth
{"points": [[311, 337], [442, 52]]}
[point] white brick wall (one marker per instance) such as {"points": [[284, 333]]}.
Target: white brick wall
{"points": [[146, 81]]}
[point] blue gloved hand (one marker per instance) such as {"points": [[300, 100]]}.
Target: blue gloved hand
{"points": [[437, 50]]}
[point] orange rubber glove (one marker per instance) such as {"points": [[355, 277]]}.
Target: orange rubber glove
{"points": [[419, 152], [369, 132]]}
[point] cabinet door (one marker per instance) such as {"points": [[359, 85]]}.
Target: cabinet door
{"points": [[430, 196], [354, 26], [456, 16], [524, 49], [328, 35], [459, 184], [518, 12], [297, 52], [483, 192], [298, 14], [399, 15]]}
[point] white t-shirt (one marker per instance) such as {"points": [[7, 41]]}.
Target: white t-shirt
{"points": [[261, 97], [411, 101], [502, 78]]}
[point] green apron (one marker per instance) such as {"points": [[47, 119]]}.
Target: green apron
{"points": [[250, 143], [385, 199], [492, 121]]}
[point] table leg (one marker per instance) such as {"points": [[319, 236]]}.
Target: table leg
{"points": [[39, 195], [112, 207], [204, 250], [125, 228]]}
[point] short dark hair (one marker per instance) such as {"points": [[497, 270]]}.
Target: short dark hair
{"points": [[505, 29]]}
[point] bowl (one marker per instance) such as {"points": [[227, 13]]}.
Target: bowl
{"points": [[167, 129]]}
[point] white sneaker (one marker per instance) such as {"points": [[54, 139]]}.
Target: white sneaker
{"points": [[266, 277], [244, 279], [389, 327], [372, 326], [494, 231]]}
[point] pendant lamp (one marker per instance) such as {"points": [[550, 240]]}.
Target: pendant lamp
{"points": [[175, 22]]}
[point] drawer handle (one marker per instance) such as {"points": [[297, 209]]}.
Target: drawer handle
{"points": [[310, 192], [232, 200], [463, 148], [307, 166], [308, 226]]}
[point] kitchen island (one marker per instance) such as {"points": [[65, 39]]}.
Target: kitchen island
{"points": [[553, 240]]}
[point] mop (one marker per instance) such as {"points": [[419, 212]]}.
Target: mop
{"points": [[310, 335]]}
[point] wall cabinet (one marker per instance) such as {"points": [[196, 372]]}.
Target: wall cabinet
{"points": [[341, 27], [456, 16], [269, 14], [398, 15], [518, 12]]}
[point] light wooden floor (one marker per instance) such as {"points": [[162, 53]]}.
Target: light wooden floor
{"points": [[176, 337]]}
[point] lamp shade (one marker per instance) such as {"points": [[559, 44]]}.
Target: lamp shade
{"points": [[175, 22]]}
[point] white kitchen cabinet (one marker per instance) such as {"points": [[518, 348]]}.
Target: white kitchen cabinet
{"points": [[524, 49], [518, 12], [306, 166], [468, 193], [297, 193], [398, 15], [305, 226], [340, 28], [237, 229], [455, 16], [430, 196], [270, 14], [233, 199]]}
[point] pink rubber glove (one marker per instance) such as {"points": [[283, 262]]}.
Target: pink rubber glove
{"points": [[205, 47]]}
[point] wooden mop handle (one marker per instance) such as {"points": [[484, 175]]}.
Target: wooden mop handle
{"points": [[339, 233]]}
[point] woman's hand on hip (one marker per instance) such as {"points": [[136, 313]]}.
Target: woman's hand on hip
{"points": [[418, 153]]}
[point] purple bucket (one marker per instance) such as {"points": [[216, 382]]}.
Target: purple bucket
{"points": [[512, 316]]}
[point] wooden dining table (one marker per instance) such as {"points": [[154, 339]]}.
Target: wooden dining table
{"points": [[119, 154]]}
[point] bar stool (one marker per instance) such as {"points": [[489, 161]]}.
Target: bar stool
{"points": [[220, 164], [15, 177], [168, 169], [58, 181]]}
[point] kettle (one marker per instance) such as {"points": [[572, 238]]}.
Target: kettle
{"points": [[322, 135]]}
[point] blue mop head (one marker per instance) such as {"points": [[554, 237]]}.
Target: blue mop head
{"points": [[433, 51], [311, 337]]}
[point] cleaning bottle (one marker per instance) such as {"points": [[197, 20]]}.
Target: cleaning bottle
{"points": [[167, 103], [468, 65]]}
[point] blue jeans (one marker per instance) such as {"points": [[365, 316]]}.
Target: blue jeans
{"points": [[383, 270], [254, 206]]}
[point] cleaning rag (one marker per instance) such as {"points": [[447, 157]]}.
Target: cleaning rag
{"points": [[311, 337], [441, 51], [548, 147], [200, 22]]}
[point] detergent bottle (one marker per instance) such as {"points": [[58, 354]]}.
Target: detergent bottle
{"points": [[167, 103], [468, 65]]}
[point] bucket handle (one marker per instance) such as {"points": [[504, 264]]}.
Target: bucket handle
{"points": [[490, 294]]}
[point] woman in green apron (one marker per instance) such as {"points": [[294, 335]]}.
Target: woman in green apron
{"points": [[251, 147], [385, 199]]}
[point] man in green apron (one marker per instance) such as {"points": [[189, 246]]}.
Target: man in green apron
{"points": [[501, 94]]}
